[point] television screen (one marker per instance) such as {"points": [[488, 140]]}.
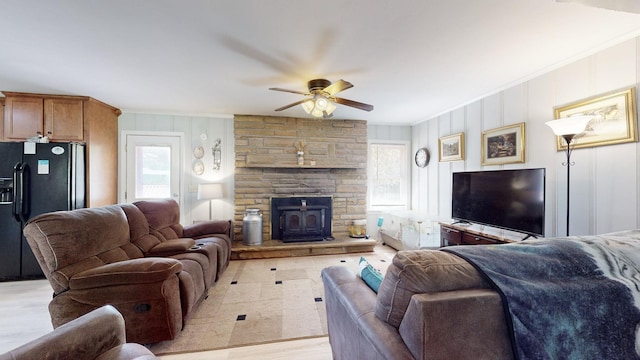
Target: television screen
{"points": [[507, 199]]}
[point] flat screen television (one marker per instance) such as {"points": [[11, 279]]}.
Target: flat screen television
{"points": [[507, 199]]}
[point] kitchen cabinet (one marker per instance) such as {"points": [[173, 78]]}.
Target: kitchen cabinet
{"points": [[60, 118], [64, 118]]}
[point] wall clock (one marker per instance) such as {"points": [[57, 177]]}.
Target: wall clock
{"points": [[422, 157]]}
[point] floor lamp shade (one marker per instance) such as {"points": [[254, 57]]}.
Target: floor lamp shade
{"points": [[569, 128], [573, 125], [209, 192]]}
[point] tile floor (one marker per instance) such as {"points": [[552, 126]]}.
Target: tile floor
{"points": [[265, 300], [273, 311]]}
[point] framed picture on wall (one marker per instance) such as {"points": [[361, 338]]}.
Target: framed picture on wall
{"points": [[503, 145], [615, 119], [451, 148]]}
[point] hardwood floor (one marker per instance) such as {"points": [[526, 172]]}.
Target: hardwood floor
{"points": [[24, 315]]}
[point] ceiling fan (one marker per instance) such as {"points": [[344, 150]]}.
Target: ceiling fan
{"points": [[322, 98]]}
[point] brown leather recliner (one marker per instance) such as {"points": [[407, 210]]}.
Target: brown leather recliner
{"points": [[98, 335], [112, 255], [89, 260]]}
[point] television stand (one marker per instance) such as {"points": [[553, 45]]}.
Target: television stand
{"points": [[473, 234], [460, 222]]}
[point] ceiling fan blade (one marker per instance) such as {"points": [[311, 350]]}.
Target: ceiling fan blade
{"points": [[337, 86], [291, 105], [355, 104], [290, 91]]}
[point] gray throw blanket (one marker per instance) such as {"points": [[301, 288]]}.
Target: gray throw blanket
{"points": [[567, 298]]}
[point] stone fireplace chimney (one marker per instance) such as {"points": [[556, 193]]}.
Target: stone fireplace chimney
{"points": [[267, 167]]}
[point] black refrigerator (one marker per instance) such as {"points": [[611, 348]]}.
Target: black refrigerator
{"points": [[35, 178]]}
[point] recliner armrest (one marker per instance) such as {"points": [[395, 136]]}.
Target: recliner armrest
{"points": [[172, 247], [459, 324], [134, 271], [208, 228], [354, 330], [87, 337]]}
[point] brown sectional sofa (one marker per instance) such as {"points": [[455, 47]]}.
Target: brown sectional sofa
{"points": [[131, 256], [430, 305]]}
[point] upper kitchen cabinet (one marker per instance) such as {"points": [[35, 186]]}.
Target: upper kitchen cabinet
{"points": [[64, 119], [60, 118], [70, 119]]}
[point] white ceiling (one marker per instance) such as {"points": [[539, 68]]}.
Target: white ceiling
{"points": [[411, 59]]}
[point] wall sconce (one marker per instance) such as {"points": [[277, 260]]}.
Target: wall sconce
{"points": [[217, 155]]}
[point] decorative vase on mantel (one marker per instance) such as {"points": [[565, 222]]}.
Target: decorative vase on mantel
{"points": [[300, 157]]}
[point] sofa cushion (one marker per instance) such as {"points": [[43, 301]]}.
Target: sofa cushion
{"points": [[139, 228], [172, 247], [163, 217], [422, 271]]}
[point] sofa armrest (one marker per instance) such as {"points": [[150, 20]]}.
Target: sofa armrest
{"points": [[87, 337], [172, 247], [459, 324], [128, 272], [208, 228], [354, 330]]}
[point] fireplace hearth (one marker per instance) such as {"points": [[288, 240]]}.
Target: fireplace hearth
{"points": [[301, 218]]}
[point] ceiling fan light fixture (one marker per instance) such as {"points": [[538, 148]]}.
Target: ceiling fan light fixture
{"points": [[330, 108], [321, 102], [308, 106], [317, 113], [319, 106]]}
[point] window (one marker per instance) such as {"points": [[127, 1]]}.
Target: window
{"points": [[389, 176], [152, 166]]}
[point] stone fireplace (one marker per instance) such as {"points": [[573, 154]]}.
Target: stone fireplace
{"points": [[266, 167], [301, 218]]}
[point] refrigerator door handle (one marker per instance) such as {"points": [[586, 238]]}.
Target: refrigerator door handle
{"points": [[17, 201], [20, 198]]}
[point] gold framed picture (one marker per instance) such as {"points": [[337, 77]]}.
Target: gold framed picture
{"points": [[451, 147], [504, 145], [615, 119]]}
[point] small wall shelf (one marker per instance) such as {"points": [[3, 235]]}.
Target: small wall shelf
{"points": [[296, 166], [276, 161]]}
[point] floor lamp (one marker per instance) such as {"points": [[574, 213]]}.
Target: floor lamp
{"points": [[209, 192], [569, 129]]}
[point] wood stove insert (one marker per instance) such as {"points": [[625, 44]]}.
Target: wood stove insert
{"points": [[299, 218]]}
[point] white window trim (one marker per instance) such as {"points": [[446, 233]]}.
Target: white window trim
{"points": [[407, 206]]}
